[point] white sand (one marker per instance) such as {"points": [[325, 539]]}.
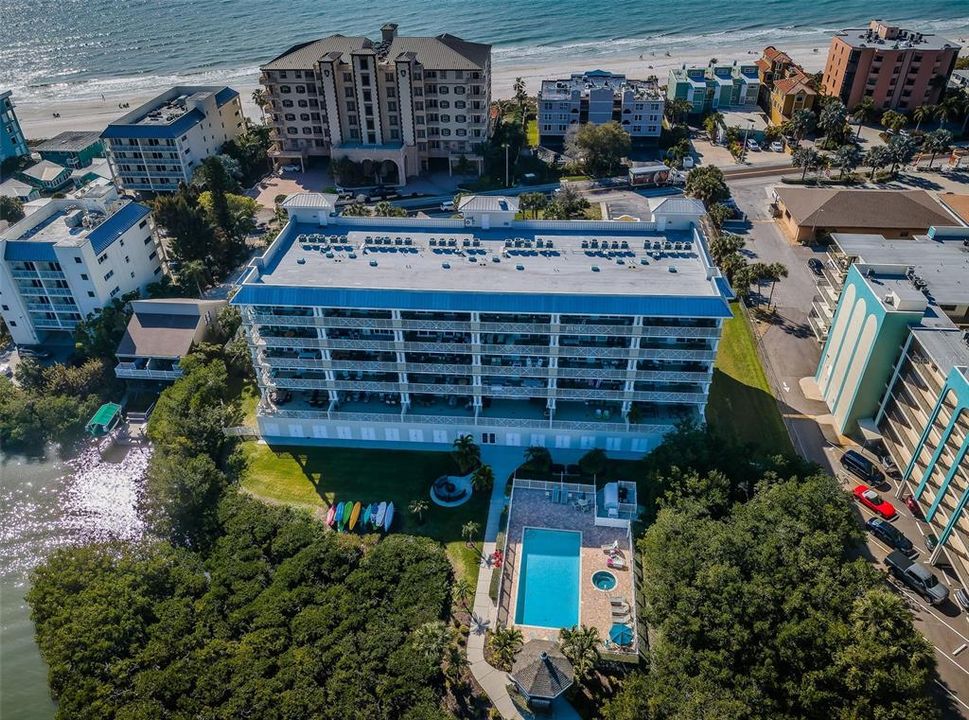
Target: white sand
{"points": [[38, 122]]}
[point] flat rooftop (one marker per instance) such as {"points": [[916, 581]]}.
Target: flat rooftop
{"points": [[70, 141], [894, 38], [942, 262], [947, 347], [742, 118], [561, 89], [505, 260]]}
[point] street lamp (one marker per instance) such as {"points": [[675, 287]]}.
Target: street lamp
{"points": [[505, 145]]}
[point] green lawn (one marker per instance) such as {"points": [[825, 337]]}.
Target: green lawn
{"points": [[741, 404], [315, 477]]}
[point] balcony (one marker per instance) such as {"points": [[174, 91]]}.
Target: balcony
{"points": [[148, 369]]}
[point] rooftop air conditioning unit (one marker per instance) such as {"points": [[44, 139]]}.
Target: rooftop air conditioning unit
{"points": [[889, 299]]}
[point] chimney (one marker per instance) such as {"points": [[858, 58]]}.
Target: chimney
{"points": [[388, 32]]}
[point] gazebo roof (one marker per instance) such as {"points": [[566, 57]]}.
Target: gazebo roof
{"points": [[541, 670]]}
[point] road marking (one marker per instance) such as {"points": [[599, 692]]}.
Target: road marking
{"points": [[951, 694]]}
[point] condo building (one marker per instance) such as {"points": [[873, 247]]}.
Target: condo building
{"points": [[895, 369], [162, 143], [12, 141], [896, 68], [71, 257], [598, 97], [411, 332], [398, 104], [716, 87]]}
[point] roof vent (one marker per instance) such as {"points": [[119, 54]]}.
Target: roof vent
{"points": [[595, 268], [889, 299], [519, 267], [672, 268], [496, 259], [373, 263], [300, 261]]}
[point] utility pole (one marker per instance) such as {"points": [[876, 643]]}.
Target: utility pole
{"points": [[507, 183]]}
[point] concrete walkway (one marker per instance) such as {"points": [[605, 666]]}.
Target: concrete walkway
{"points": [[484, 613]]}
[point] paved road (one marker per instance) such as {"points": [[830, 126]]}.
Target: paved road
{"points": [[791, 353]]}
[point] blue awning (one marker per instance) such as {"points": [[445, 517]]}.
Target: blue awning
{"points": [[29, 251], [449, 301]]}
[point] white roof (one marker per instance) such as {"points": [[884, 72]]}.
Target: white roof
{"points": [[488, 203], [651, 168], [16, 189], [45, 171], [676, 205], [319, 201]]}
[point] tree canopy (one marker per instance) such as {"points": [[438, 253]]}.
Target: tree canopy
{"points": [[706, 183], [280, 620], [598, 148]]}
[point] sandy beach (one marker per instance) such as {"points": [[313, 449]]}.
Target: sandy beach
{"points": [[38, 122]]}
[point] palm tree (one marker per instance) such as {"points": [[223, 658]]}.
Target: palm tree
{"points": [[261, 100], [521, 96], [462, 592], [937, 141], [832, 119], [469, 531], [922, 113], [195, 273], [901, 150], [430, 639], [775, 271], [678, 109], [418, 507], [455, 663], [802, 122], [876, 158], [894, 121], [505, 643], [864, 112], [533, 201], [805, 158], [356, 210], [538, 459], [580, 645], [846, 159], [466, 454], [483, 478]]}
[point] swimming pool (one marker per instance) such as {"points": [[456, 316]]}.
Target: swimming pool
{"points": [[548, 581]]}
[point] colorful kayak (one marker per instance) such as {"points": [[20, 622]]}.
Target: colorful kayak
{"points": [[347, 511], [354, 515], [330, 514], [365, 520], [389, 517], [378, 519], [338, 516]]}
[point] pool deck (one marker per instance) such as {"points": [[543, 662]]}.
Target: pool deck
{"points": [[531, 508]]}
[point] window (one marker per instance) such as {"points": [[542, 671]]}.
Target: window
{"points": [[84, 276], [351, 107], [305, 117], [394, 133], [460, 104], [127, 259], [142, 223], [460, 118], [301, 89], [367, 96], [90, 293], [147, 239], [290, 117], [347, 77], [391, 92], [364, 78], [115, 291], [285, 89], [77, 259], [392, 119], [153, 255], [444, 104], [444, 90], [348, 92], [303, 103], [389, 77], [445, 117], [291, 131], [287, 103], [109, 274], [12, 323], [4, 307], [392, 107]]}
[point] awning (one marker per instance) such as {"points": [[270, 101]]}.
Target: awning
{"points": [[104, 420]]}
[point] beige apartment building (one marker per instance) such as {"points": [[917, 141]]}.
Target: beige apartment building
{"points": [[398, 106]]}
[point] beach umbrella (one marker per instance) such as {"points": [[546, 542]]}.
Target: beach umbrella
{"points": [[621, 634]]}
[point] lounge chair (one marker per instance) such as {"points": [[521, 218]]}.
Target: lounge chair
{"points": [[620, 609], [612, 549], [617, 600], [624, 618], [616, 563]]}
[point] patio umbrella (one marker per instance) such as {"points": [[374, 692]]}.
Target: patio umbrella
{"points": [[621, 634]]}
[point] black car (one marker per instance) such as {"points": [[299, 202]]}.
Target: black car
{"points": [[858, 464], [888, 534], [816, 266]]}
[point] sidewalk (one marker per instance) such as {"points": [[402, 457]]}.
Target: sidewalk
{"points": [[493, 681]]}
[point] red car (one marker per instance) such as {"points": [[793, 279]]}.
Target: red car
{"points": [[873, 501]]}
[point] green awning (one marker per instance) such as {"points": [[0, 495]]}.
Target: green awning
{"points": [[104, 419]]}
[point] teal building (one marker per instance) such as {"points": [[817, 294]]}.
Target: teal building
{"points": [[73, 149], [12, 141], [715, 87]]}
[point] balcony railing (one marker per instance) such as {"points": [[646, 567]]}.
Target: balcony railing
{"points": [[129, 371]]}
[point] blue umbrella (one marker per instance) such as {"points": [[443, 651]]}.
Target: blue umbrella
{"points": [[621, 634]]}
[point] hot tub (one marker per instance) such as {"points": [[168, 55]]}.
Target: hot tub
{"points": [[604, 580]]}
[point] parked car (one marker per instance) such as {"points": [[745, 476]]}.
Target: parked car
{"points": [[889, 534], [857, 464], [874, 502], [777, 146], [962, 597], [917, 576], [931, 542], [817, 267], [33, 353], [753, 144], [447, 206]]}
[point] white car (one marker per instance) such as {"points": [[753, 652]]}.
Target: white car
{"points": [[447, 206], [753, 145], [688, 161], [777, 146], [290, 168]]}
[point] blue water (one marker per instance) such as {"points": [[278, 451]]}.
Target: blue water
{"points": [[82, 48], [548, 582]]}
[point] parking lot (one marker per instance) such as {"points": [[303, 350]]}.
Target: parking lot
{"points": [[945, 626]]}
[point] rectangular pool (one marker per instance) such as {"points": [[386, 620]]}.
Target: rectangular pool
{"points": [[548, 580]]}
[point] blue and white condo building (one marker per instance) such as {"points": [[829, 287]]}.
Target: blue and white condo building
{"points": [[895, 366], [161, 143], [72, 257], [403, 331]]}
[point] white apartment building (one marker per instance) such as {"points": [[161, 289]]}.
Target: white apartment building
{"points": [[406, 332], [399, 103], [70, 258], [161, 143], [599, 97]]}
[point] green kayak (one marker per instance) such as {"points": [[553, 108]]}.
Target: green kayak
{"points": [[347, 509]]}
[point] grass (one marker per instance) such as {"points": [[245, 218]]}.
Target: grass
{"points": [[741, 403], [313, 478], [531, 133], [247, 392]]}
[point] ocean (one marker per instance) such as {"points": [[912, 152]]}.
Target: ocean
{"points": [[80, 49]]}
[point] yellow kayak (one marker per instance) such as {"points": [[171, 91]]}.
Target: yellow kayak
{"points": [[354, 514]]}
